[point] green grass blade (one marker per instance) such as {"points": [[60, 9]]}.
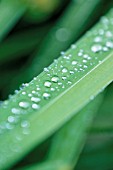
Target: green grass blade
{"points": [[97, 154], [103, 123], [68, 142], [21, 43], [52, 98], [103, 120], [10, 13], [54, 165], [74, 21]]}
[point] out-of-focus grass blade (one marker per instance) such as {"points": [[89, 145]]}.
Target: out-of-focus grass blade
{"points": [[74, 21], [21, 43], [49, 165], [68, 142], [98, 152], [105, 116], [40, 11], [97, 156], [51, 99], [10, 13]]}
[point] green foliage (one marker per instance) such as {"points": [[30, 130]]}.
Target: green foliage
{"points": [[68, 28], [58, 106], [10, 12]]}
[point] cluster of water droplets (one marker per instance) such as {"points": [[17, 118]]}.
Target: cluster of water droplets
{"points": [[103, 41], [57, 77]]}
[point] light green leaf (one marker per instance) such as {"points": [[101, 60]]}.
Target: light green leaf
{"points": [[57, 94], [10, 13]]}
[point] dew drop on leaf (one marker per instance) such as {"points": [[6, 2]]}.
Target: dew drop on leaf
{"points": [[96, 48], [74, 62], [24, 105], [15, 111], [46, 95], [35, 99], [47, 84], [35, 106], [64, 70], [55, 79]]}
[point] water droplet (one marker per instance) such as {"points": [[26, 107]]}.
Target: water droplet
{"points": [[55, 79], [46, 69], [109, 44], [80, 54], [69, 82], [73, 46], [85, 56], [33, 91], [35, 99], [46, 95], [15, 111], [71, 72], [74, 62], [75, 69], [101, 31], [105, 49], [9, 126], [52, 89], [26, 131], [25, 124], [96, 48], [64, 78], [11, 119], [62, 53], [85, 66], [64, 70], [84, 61], [97, 39], [24, 105], [104, 20], [38, 88], [35, 106], [109, 34], [24, 93], [47, 84], [35, 78], [30, 95]]}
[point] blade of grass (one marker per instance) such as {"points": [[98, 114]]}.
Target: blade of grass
{"points": [[97, 153], [40, 11], [71, 136], [59, 165], [105, 116], [57, 94], [68, 142], [10, 12], [97, 157], [75, 20], [21, 43]]}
